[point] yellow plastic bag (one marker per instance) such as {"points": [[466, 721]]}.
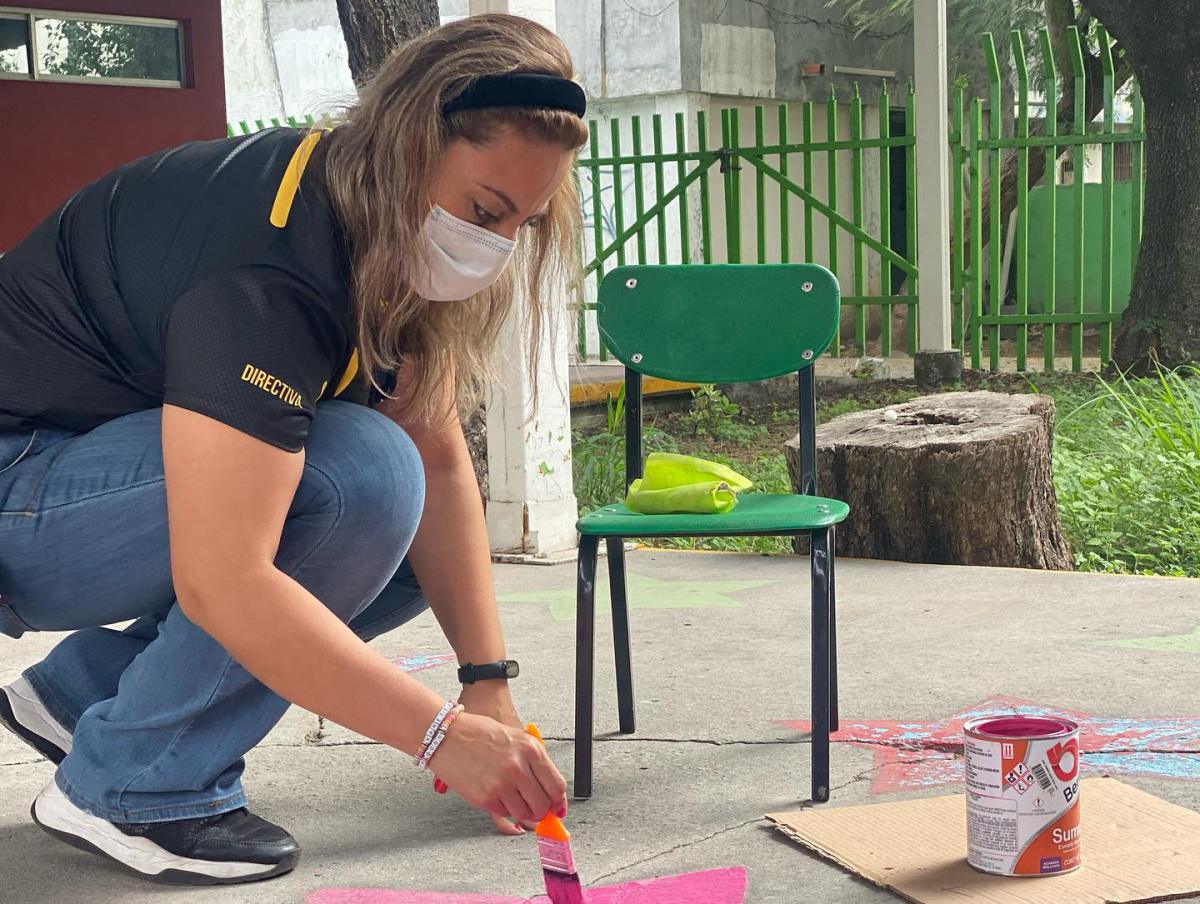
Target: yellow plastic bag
{"points": [[714, 497], [674, 484], [666, 470]]}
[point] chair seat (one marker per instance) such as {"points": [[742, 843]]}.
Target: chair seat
{"points": [[755, 513]]}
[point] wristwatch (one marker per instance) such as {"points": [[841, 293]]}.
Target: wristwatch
{"points": [[505, 668]]}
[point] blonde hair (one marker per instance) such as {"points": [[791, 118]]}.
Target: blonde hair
{"points": [[379, 168]]}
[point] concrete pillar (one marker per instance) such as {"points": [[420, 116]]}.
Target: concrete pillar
{"points": [[937, 359], [531, 508]]}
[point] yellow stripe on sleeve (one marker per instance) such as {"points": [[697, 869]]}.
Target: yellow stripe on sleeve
{"points": [[290, 183], [348, 375]]}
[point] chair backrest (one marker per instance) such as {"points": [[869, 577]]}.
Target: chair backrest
{"points": [[718, 323]]}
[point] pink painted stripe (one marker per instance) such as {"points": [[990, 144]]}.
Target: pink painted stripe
{"points": [[717, 886]]}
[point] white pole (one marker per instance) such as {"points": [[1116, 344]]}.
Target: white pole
{"points": [[531, 508], [933, 178]]}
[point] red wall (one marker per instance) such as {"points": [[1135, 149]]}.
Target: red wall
{"points": [[57, 137]]}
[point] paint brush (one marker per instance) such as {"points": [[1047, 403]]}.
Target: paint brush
{"points": [[554, 848]]}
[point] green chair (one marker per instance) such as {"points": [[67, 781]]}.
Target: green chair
{"points": [[713, 324]]}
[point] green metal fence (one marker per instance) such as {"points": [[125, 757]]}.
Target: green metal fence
{"points": [[245, 127], [687, 200], [846, 199]]}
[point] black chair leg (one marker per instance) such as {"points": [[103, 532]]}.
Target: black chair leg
{"points": [[620, 619], [833, 663], [585, 641], [819, 566]]}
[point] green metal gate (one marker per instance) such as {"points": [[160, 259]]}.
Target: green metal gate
{"points": [[978, 154]]}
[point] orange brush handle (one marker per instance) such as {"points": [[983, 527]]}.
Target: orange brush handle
{"points": [[550, 826]]}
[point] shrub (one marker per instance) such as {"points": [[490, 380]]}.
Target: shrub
{"points": [[599, 458], [1127, 475]]}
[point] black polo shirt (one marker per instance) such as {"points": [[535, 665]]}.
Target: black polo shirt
{"points": [[183, 278]]}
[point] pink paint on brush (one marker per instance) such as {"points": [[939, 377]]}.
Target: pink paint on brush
{"points": [[562, 889], [716, 886]]}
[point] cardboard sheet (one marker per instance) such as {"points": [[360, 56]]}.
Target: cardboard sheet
{"points": [[1135, 847]]}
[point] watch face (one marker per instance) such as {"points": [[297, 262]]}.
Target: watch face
{"points": [[511, 669]]}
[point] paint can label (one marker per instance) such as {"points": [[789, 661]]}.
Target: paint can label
{"points": [[1022, 795]]}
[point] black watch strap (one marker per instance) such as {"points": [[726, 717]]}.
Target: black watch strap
{"points": [[469, 673]]}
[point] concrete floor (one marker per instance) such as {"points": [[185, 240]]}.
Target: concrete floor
{"points": [[721, 672]]}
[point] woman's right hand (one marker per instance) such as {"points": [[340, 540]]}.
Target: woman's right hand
{"points": [[499, 769]]}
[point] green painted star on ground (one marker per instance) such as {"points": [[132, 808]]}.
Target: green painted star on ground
{"points": [[1172, 643], [644, 593]]}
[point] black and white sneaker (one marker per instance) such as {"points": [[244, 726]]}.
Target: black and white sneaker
{"points": [[212, 850], [23, 713]]}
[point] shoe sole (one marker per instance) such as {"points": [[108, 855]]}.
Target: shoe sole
{"points": [[57, 816], [8, 718]]}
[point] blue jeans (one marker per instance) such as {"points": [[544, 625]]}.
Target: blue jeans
{"points": [[160, 714]]}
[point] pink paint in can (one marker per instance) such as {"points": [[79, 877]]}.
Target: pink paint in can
{"points": [[1022, 795]]}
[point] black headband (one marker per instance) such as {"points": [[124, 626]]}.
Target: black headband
{"points": [[520, 89]]}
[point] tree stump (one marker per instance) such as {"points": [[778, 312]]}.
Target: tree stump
{"points": [[960, 478]]}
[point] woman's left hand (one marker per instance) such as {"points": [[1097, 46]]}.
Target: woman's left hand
{"points": [[492, 699]]}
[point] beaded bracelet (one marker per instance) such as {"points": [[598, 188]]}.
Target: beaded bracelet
{"points": [[441, 735], [433, 730]]}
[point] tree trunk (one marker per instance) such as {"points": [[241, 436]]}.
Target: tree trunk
{"points": [[960, 478], [374, 28], [1163, 318]]}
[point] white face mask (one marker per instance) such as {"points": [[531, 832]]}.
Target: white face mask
{"points": [[459, 259]]}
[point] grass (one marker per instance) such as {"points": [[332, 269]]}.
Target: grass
{"points": [[1127, 474], [599, 458], [1126, 461]]}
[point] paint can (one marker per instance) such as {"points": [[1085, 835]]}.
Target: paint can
{"points": [[1022, 795]]}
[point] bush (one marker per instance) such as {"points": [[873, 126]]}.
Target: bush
{"points": [[713, 414], [599, 459], [1127, 475]]}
